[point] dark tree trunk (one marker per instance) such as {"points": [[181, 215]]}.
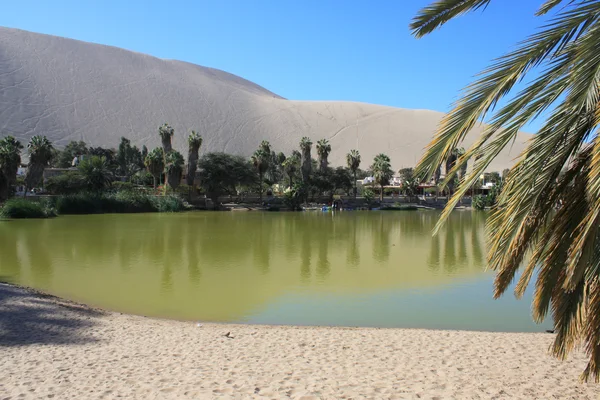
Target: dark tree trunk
{"points": [[355, 191]]}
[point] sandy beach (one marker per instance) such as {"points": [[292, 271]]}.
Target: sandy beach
{"points": [[51, 348]]}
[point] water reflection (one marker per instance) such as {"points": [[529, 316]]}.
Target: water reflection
{"points": [[232, 266]]}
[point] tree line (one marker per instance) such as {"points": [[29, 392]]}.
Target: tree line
{"points": [[218, 173]]}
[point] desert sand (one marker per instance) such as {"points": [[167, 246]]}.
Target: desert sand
{"points": [[73, 90], [52, 348]]}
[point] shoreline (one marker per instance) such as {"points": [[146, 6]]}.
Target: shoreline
{"points": [[58, 348]]}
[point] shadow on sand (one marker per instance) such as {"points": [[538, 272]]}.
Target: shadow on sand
{"points": [[28, 317]]}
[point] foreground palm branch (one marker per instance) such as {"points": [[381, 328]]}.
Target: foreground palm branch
{"points": [[548, 213]]}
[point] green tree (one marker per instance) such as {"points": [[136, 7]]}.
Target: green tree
{"points": [[261, 159], [129, 158], [174, 163], [155, 164], [551, 217], [306, 160], [409, 182], [382, 172], [10, 159], [40, 153], [341, 179], [323, 150], [194, 144], [64, 158], [291, 165], [166, 133], [221, 173], [96, 173], [353, 162]]}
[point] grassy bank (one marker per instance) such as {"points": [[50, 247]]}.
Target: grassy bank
{"points": [[92, 203], [22, 208]]}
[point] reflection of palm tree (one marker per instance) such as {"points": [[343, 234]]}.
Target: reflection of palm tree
{"points": [[353, 257], [462, 242], [305, 255], [262, 245], [10, 263], [478, 223], [433, 259], [191, 249], [381, 240], [449, 248], [40, 257], [323, 267]]}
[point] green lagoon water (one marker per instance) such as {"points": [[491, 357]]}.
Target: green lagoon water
{"points": [[381, 269]]}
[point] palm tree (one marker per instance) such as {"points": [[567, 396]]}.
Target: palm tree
{"points": [[174, 163], [10, 159], [96, 173], [40, 153], [552, 217], [382, 172], [450, 162], [323, 150], [166, 133], [290, 166], [463, 168], [155, 163], [353, 162], [194, 144], [306, 160], [260, 159]]}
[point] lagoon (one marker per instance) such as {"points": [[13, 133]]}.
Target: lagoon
{"points": [[376, 269]]}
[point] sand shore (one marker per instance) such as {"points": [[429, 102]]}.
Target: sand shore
{"points": [[52, 348]]}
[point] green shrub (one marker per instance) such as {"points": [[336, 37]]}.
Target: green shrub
{"points": [[143, 178], [22, 208], [67, 183], [119, 202], [479, 202], [119, 186], [169, 203]]}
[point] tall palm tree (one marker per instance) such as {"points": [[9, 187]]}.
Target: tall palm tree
{"points": [[10, 159], [260, 159], [306, 160], [323, 150], [155, 163], [450, 162], [353, 162], [382, 172], [174, 163], [194, 144], [166, 133], [554, 217], [40, 153], [291, 166]]}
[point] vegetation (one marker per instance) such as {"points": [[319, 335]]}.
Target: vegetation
{"points": [[323, 150], [382, 172], [41, 152], [166, 133], [549, 215], [222, 173], [174, 163], [194, 144], [96, 173], [155, 164], [10, 158], [67, 183], [119, 202], [353, 162], [261, 160], [306, 160], [129, 159], [21, 208]]}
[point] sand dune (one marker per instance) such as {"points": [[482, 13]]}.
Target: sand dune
{"points": [[55, 349], [72, 90]]}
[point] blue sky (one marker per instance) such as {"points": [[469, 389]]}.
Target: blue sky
{"points": [[305, 50]]}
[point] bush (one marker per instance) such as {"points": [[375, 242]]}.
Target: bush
{"points": [[119, 202], [67, 183], [119, 186], [479, 202], [21, 208], [143, 178]]}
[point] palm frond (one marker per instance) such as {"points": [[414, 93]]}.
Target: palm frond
{"points": [[434, 16]]}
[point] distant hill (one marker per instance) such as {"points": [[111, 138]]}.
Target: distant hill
{"points": [[72, 90]]}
